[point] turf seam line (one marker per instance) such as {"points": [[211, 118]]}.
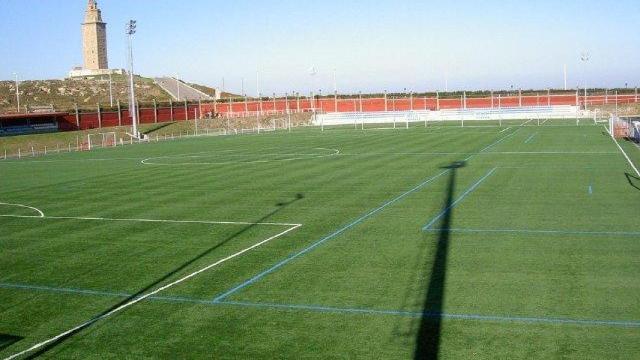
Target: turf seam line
{"points": [[525, 231], [332, 309], [326, 238], [459, 199], [149, 294]]}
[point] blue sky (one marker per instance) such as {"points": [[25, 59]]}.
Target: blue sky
{"points": [[372, 45]]}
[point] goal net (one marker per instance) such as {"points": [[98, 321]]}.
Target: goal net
{"points": [[101, 140]]}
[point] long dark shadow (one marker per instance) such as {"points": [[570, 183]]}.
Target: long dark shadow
{"points": [[141, 292], [633, 180], [6, 340], [429, 332]]}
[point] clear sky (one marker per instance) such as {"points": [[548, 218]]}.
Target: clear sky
{"points": [[372, 45]]}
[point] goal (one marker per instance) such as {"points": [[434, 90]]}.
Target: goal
{"points": [[102, 140]]}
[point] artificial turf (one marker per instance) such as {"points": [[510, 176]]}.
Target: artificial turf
{"points": [[438, 242]]}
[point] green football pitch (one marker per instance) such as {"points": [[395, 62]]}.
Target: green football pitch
{"points": [[423, 243]]}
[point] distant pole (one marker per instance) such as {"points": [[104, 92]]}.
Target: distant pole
{"points": [[360, 99], [178, 85], [437, 100], [520, 97], [548, 97], [411, 101], [335, 92], [385, 101], [110, 90], [17, 91], [242, 87], [131, 29], [584, 57]]}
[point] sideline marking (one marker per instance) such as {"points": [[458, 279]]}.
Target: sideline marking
{"points": [[526, 231], [625, 154], [331, 309], [467, 192], [505, 129], [147, 295]]}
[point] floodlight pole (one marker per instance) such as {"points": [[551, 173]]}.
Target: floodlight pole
{"points": [[17, 91], [110, 90], [584, 57], [131, 29]]}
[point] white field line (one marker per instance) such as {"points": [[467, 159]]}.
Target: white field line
{"points": [[488, 153], [149, 294], [625, 155], [525, 123], [40, 213], [505, 129], [149, 161]]}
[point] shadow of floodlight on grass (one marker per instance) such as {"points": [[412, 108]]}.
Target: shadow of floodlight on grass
{"points": [[429, 332]]}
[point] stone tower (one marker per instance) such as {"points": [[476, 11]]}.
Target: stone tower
{"points": [[94, 39]]}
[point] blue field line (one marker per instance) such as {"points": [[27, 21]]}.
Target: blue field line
{"points": [[328, 237], [526, 231], [530, 138], [428, 314], [331, 309], [97, 293], [497, 142], [467, 192]]}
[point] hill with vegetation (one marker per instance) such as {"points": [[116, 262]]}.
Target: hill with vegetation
{"points": [[86, 93]]}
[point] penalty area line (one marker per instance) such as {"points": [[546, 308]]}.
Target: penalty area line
{"points": [[147, 295]]}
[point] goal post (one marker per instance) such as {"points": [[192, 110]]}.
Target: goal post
{"points": [[103, 140]]}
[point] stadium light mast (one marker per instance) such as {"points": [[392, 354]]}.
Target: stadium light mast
{"points": [[130, 30], [584, 57], [17, 91]]}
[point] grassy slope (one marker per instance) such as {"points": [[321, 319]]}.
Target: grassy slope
{"points": [[383, 263], [63, 94]]}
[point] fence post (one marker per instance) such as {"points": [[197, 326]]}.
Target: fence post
{"points": [[274, 102], [548, 97], [297, 102], [520, 97], [77, 116], [171, 109], [119, 113], [99, 117], [636, 93], [437, 100], [386, 108], [186, 110], [200, 106], [335, 101], [360, 99], [411, 101], [155, 111], [138, 110]]}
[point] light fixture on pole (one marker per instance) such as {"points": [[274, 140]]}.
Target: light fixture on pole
{"points": [[130, 30]]}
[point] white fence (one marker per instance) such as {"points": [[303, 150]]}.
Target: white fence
{"points": [[516, 113]]}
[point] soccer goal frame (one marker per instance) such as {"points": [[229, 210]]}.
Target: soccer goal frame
{"points": [[103, 140]]}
